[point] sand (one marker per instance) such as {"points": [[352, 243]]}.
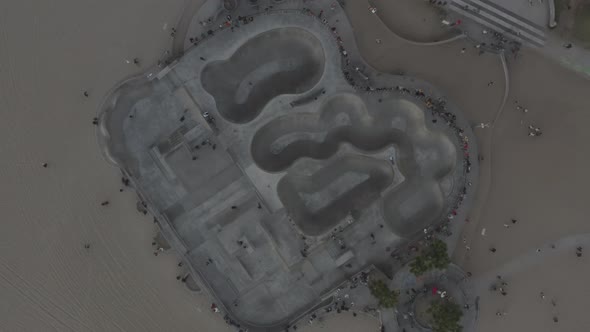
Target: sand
{"points": [[559, 275], [50, 52]]}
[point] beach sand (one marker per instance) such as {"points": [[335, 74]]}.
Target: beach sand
{"points": [[50, 52]]}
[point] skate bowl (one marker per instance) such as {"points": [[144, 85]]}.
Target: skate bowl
{"points": [[276, 62], [321, 192]]}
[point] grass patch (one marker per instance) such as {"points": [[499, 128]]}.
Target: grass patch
{"points": [[582, 23]]}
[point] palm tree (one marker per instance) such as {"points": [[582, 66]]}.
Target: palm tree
{"points": [[387, 298], [434, 256]]}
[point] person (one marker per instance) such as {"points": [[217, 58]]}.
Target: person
{"points": [[44, 165], [463, 50], [136, 61], [568, 45], [95, 121], [86, 94], [104, 203], [87, 246], [492, 249], [490, 83]]}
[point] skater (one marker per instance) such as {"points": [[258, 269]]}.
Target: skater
{"points": [[44, 165], [104, 203], [86, 94], [492, 249]]}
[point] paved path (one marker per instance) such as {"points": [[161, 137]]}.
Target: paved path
{"points": [[189, 10], [526, 24], [500, 19]]}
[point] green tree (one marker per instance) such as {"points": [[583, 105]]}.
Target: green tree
{"points": [[387, 298], [446, 316], [434, 256]]}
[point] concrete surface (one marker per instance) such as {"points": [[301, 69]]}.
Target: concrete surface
{"points": [[192, 163]]}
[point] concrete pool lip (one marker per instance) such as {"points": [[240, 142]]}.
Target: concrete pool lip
{"points": [[374, 135], [280, 61], [233, 139]]}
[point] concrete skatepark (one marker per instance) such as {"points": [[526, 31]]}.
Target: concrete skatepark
{"points": [[276, 175], [55, 51]]}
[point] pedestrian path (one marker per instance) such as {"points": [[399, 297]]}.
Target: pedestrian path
{"points": [[501, 20]]}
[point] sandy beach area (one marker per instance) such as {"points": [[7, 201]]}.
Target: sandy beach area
{"points": [[50, 53]]}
